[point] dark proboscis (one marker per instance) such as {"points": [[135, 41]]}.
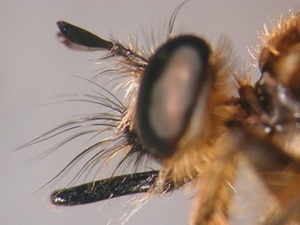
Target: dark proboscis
{"points": [[105, 189]]}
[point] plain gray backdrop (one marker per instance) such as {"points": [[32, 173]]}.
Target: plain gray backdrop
{"points": [[36, 67]]}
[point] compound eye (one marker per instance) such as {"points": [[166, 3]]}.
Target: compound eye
{"points": [[168, 93]]}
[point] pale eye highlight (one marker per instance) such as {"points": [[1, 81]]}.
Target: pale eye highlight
{"points": [[171, 94]]}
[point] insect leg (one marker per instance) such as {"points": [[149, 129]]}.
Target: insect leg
{"points": [[212, 201], [278, 171]]}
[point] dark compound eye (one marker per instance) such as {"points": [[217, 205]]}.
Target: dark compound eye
{"points": [[169, 90]]}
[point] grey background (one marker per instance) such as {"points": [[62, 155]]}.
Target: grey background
{"points": [[35, 68]]}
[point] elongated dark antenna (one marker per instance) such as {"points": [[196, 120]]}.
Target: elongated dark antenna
{"points": [[107, 189], [79, 36], [83, 37]]}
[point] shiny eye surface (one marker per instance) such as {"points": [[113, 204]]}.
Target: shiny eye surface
{"points": [[168, 92]]}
